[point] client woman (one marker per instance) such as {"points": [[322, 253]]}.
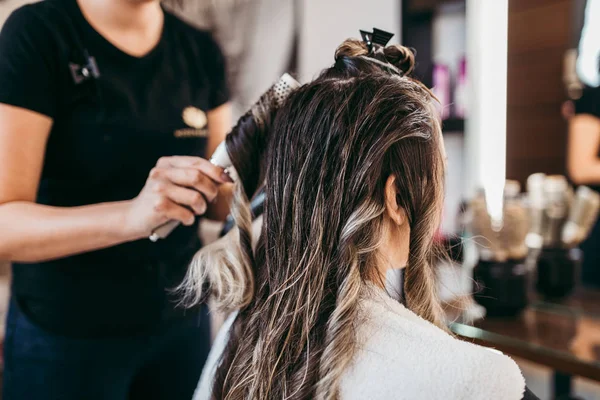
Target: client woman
{"points": [[354, 187]]}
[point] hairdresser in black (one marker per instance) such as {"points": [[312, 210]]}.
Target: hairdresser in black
{"points": [[583, 157], [106, 108], [584, 169]]}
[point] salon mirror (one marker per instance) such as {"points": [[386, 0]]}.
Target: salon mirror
{"points": [[525, 119]]}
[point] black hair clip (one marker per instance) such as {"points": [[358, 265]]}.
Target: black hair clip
{"points": [[82, 73], [367, 38], [381, 37], [376, 37]]}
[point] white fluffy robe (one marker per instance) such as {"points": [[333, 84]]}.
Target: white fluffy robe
{"points": [[401, 356]]}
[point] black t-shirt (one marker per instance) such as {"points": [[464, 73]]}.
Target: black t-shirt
{"points": [[107, 135], [589, 102]]}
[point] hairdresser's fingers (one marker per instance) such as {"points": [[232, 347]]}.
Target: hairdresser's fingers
{"points": [[188, 177], [184, 196], [169, 210], [214, 172]]}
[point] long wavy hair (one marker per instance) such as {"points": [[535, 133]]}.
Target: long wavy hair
{"points": [[329, 151]]}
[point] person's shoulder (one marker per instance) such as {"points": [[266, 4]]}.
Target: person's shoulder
{"points": [[400, 355], [202, 51], [190, 31], [32, 37], [494, 374], [33, 24], [32, 13], [589, 102]]}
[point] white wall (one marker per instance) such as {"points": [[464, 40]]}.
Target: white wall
{"points": [[326, 23]]}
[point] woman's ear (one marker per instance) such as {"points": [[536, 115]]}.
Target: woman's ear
{"points": [[393, 209]]}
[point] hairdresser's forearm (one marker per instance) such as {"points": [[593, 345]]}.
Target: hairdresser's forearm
{"points": [[586, 174], [584, 138], [31, 232]]}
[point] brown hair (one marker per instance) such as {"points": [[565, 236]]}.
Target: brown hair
{"points": [[332, 147]]}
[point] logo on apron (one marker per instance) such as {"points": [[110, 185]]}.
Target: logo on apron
{"points": [[197, 122]]}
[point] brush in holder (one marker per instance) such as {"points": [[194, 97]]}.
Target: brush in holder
{"points": [[501, 287], [558, 271]]}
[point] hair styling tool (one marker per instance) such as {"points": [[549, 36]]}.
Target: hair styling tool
{"points": [[81, 73], [559, 217], [537, 204], [508, 242], [557, 196], [86, 68], [582, 215], [376, 37], [271, 100]]}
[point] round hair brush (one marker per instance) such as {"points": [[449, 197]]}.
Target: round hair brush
{"points": [[582, 215], [248, 135]]}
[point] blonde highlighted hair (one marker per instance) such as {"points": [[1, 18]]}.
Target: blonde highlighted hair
{"points": [[329, 151]]}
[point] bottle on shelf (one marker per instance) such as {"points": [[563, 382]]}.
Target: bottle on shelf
{"points": [[441, 88], [460, 91]]}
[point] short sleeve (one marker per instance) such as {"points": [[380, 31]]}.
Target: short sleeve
{"points": [[27, 62], [219, 92], [589, 102]]}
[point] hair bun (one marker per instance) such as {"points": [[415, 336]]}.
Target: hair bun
{"points": [[400, 57], [351, 48]]}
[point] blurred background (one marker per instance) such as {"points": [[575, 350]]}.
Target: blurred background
{"points": [[512, 77]]}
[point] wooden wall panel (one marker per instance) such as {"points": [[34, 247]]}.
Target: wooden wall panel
{"points": [[532, 124], [535, 77], [519, 5], [536, 28], [538, 36]]}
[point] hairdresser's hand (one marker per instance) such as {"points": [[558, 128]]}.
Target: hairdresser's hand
{"points": [[178, 188]]}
